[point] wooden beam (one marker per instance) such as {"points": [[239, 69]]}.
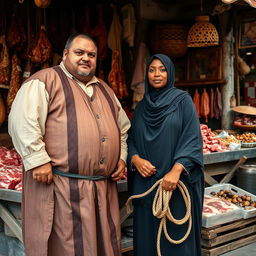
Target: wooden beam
{"points": [[11, 222]]}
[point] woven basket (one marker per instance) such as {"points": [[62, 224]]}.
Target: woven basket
{"points": [[169, 39], [202, 33]]}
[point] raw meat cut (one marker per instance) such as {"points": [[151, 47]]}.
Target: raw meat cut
{"points": [[215, 205], [10, 169]]}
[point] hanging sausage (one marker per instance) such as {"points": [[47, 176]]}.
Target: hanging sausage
{"points": [[16, 80], [2, 110], [5, 64], [217, 104], [16, 36], [205, 105], [211, 103], [196, 100], [43, 50]]}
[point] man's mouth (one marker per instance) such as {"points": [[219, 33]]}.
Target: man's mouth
{"points": [[84, 65]]}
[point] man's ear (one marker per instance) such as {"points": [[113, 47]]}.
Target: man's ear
{"points": [[65, 53]]}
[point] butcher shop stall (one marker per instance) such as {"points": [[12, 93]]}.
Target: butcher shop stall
{"points": [[213, 46]]}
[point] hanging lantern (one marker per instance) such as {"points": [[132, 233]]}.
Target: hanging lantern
{"points": [[42, 3], [202, 33]]}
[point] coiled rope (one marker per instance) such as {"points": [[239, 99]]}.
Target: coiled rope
{"points": [[161, 210]]}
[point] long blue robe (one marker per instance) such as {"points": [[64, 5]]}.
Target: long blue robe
{"points": [[165, 130]]}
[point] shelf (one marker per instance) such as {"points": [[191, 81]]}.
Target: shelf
{"points": [[198, 83], [3, 86], [219, 157]]}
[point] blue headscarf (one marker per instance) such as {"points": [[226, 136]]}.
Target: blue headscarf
{"points": [[165, 127], [157, 104]]}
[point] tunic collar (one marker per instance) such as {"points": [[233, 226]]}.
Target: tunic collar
{"points": [[92, 81]]}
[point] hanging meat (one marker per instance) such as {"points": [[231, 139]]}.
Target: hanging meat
{"points": [[43, 49], [112, 79], [85, 20], [16, 36], [129, 22], [217, 104], [5, 63], [211, 103], [16, 80], [116, 76], [196, 100], [2, 110], [205, 105], [100, 33], [28, 69]]}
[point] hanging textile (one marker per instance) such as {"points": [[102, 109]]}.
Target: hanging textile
{"points": [[116, 77]]}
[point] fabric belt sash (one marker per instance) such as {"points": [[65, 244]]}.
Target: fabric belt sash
{"points": [[78, 176]]}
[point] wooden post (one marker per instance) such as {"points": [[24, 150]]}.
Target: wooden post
{"points": [[227, 89]]}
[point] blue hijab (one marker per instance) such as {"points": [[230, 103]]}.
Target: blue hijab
{"points": [[157, 104], [165, 127]]}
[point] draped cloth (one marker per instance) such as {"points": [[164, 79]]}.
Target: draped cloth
{"points": [[165, 130]]}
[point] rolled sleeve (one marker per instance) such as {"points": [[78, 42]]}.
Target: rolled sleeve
{"points": [[35, 159], [26, 124]]}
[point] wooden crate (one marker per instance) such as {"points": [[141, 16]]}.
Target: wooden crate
{"points": [[227, 237]]}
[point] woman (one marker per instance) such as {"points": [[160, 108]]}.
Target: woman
{"points": [[165, 142]]}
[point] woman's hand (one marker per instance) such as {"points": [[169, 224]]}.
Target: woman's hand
{"points": [[144, 167], [171, 178]]}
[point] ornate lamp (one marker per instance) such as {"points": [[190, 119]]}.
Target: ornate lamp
{"points": [[202, 33]]}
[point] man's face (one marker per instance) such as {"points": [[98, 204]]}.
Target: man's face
{"points": [[80, 59]]}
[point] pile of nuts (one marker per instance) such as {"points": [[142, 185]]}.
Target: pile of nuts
{"points": [[229, 139], [243, 201], [248, 137]]}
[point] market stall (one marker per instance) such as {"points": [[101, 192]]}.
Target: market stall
{"points": [[28, 43], [10, 200]]}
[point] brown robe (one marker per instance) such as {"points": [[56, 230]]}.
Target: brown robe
{"points": [[75, 216]]}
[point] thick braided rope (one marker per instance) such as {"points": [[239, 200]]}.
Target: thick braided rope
{"points": [[161, 210]]}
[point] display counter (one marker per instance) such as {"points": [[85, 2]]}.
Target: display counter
{"points": [[10, 201], [220, 157]]}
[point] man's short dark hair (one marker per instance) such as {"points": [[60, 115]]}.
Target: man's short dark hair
{"points": [[75, 35]]}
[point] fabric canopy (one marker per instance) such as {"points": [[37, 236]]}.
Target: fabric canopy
{"points": [[252, 3]]}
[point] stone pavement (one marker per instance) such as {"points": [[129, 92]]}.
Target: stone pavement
{"points": [[248, 250]]}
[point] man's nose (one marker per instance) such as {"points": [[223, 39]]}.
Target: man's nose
{"points": [[85, 57]]}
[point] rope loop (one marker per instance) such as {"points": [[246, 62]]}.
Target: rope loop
{"points": [[161, 210]]}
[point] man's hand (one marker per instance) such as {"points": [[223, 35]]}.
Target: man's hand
{"points": [[119, 173], [43, 173], [144, 167]]}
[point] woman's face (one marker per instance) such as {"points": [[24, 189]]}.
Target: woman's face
{"points": [[157, 74]]}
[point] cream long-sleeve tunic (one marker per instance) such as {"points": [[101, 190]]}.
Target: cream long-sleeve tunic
{"points": [[27, 121], [80, 129]]}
